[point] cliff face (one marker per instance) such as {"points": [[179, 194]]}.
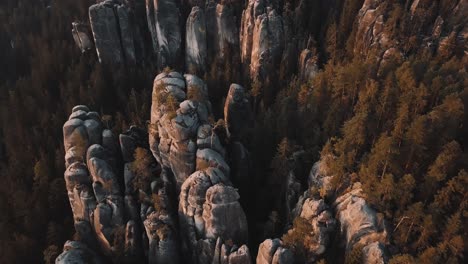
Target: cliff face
{"points": [[114, 32]]}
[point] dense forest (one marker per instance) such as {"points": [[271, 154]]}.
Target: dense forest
{"points": [[399, 129]]}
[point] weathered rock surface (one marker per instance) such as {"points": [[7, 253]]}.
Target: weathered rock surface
{"points": [[104, 218], [267, 44], [164, 25], [113, 32], [77, 252], [249, 15], [271, 251], [82, 36], [359, 223], [195, 42], [139, 218], [222, 31], [308, 67], [186, 145]]}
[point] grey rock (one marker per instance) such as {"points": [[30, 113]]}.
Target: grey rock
{"points": [[206, 138], [195, 41], [220, 205], [163, 22], [267, 44], [113, 32], [210, 158], [82, 36], [359, 222], [77, 252], [163, 245]]}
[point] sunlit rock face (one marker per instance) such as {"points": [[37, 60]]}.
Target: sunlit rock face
{"points": [[114, 32], [272, 251], [185, 144], [164, 25], [267, 43], [359, 224]]}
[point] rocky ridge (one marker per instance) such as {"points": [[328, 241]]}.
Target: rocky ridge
{"points": [[131, 211]]}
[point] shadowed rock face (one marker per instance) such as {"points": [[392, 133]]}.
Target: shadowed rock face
{"points": [[222, 31], [82, 36], [113, 32], [163, 18], [195, 41], [308, 67], [237, 112]]}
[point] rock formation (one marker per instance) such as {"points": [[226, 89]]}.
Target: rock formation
{"points": [[186, 146], [113, 32], [360, 225], [82, 36], [195, 42], [77, 252], [116, 223], [267, 44], [271, 251], [164, 25], [308, 67]]}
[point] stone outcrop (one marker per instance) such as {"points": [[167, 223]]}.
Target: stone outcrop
{"points": [[195, 42], [271, 251], [113, 32], [82, 36], [175, 120], [425, 29], [267, 44], [359, 223], [91, 181], [186, 146], [77, 252], [120, 225], [319, 216], [249, 15], [308, 67], [164, 25], [222, 31]]}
